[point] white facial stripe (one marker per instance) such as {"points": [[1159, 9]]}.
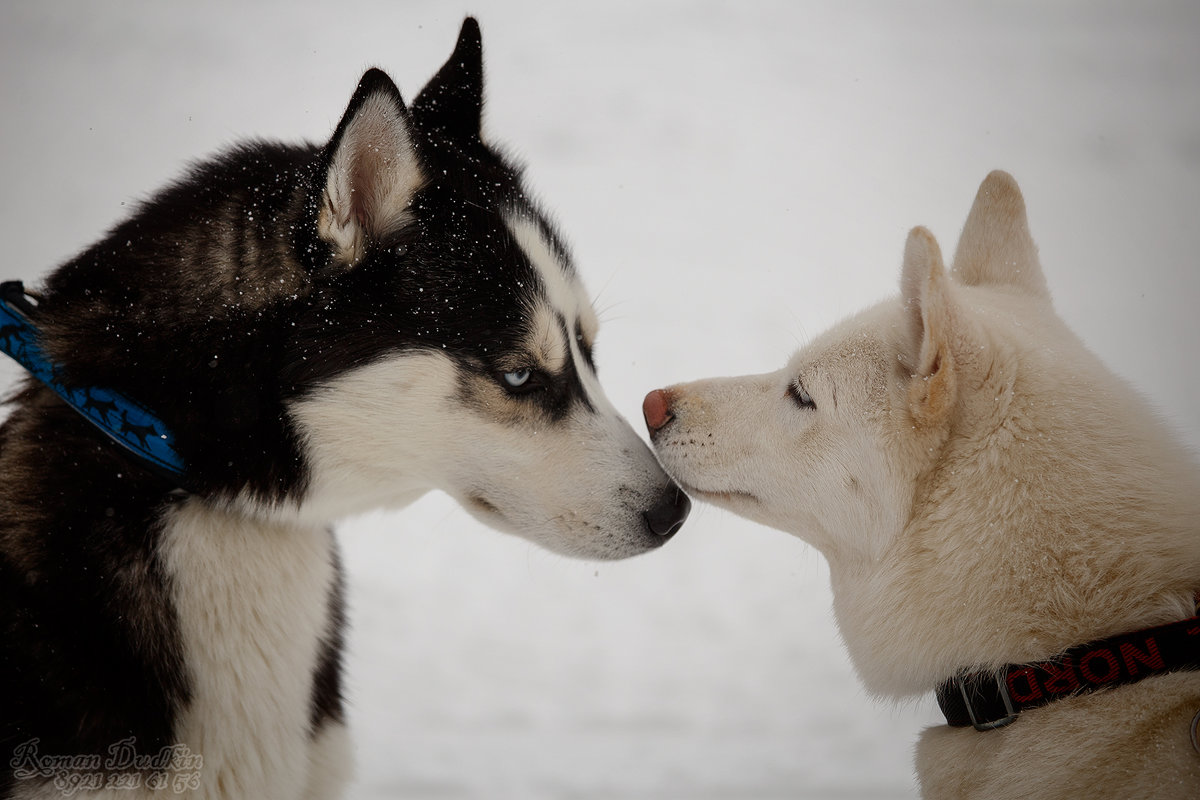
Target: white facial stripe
{"points": [[588, 322], [545, 343], [591, 384], [563, 293]]}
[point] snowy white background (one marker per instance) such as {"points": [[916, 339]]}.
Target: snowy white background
{"points": [[734, 177]]}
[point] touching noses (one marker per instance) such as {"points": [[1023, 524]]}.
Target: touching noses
{"points": [[672, 509], [656, 408]]}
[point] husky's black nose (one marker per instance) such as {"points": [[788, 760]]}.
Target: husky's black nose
{"points": [[667, 515]]}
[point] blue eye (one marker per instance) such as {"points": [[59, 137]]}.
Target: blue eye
{"points": [[518, 378]]}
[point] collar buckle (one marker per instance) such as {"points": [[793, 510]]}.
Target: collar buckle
{"points": [[981, 718]]}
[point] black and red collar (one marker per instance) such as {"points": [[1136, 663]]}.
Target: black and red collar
{"points": [[989, 700]]}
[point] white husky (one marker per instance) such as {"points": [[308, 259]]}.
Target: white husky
{"points": [[987, 494]]}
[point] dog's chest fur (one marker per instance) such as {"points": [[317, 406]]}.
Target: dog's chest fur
{"points": [[254, 604], [186, 624]]}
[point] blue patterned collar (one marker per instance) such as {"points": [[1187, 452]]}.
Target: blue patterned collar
{"points": [[120, 418]]}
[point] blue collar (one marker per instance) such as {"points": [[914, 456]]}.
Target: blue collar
{"points": [[120, 418]]}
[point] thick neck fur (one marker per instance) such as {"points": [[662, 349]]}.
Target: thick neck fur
{"points": [[1054, 509]]}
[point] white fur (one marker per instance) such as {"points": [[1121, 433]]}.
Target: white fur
{"points": [[330, 764], [253, 604], [562, 294], [986, 492]]}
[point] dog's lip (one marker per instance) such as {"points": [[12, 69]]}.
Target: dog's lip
{"points": [[720, 495]]}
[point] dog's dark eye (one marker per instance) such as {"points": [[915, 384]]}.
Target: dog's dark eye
{"points": [[800, 395]]}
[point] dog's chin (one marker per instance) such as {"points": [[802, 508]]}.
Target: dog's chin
{"points": [[481, 508], [587, 542], [486, 512]]}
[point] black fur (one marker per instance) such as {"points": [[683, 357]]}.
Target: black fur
{"points": [[89, 651], [215, 305], [327, 700]]}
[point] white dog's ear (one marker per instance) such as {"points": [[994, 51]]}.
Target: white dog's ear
{"points": [[932, 390], [995, 247], [371, 171]]}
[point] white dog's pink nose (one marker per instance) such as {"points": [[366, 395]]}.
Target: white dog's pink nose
{"points": [[656, 408]]}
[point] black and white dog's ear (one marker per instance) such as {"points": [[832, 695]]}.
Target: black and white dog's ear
{"points": [[451, 104], [371, 170]]}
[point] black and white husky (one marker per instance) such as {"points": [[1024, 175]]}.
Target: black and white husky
{"points": [[325, 330]]}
